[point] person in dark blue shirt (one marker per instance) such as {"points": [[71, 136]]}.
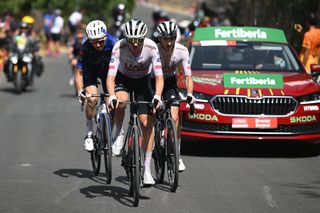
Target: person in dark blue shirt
{"points": [[93, 63]]}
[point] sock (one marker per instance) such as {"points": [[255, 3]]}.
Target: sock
{"points": [[147, 161]]}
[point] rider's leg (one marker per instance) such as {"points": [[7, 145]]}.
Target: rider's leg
{"points": [[182, 167], [118, 122], [148, 141], [91, 108]]}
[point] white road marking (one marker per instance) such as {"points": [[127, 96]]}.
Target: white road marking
{"points": [[25, 165], [268, 197], [67, 193]]}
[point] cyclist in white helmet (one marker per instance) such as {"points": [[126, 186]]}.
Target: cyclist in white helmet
{"points": [[93, 63], [134, 59], [172, 54]]}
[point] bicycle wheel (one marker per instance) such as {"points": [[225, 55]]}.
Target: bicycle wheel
{"points": [[136, 166], [158, 153], [96, 157], [107, 138], [172, 155]]}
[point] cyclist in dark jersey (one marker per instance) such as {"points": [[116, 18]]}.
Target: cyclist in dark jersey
{"points": [[93, 63], [74, 48]]}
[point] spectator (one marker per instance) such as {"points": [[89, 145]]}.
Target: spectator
{"points": [[11, 24], [309, 53], [56, 31], [3, 44], [48, 20], [74, 21]]}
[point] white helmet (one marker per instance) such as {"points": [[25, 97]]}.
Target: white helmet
{"points": [[96, 29], [135, 29], [167, 29]]}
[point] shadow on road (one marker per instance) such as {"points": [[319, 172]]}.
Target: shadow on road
{"points": [[80, 173], [238, 148], [307, 189], [118, 193], [12, 90]]}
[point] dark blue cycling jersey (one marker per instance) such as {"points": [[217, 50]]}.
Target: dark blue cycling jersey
{"points": [[90, 58], [95, 64]]}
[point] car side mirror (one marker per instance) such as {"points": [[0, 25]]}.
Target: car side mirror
{"points": [[315, 72], [315, 69]]}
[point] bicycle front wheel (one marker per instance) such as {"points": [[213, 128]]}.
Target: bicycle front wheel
{"points": [[172, 155], [136, 165], [107, 138], [158, 153], [96, 157]]}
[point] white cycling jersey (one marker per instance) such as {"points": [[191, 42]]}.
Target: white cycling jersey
{"points": [[135, 67], [180, 54]]}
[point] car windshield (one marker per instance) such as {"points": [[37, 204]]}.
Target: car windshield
{"points": [[244, 56]]}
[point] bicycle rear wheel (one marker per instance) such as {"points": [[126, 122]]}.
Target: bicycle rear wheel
{"points": [[136, 166], [158, 153], [107, 138], [96, 157], [172, 155]]}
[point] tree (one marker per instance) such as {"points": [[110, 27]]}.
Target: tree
{"points": [[281, 14], [93, 8]]}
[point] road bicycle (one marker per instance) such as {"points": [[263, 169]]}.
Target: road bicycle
{"points": [[166, 150], [102, 138], [132, 151]]}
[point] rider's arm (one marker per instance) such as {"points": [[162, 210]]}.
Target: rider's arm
{"points": [[79, 72], [79, 80], [70, 52], [159, 85], [157, 69], [187, 70], [111, 84], [189, 84], [113, 69]]}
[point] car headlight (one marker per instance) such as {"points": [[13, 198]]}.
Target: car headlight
{"points": [[310, 98], [198, 95]]}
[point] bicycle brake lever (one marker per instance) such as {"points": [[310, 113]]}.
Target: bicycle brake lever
{"points": [[192, 108]]}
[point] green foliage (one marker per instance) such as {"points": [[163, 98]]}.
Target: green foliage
{"points": [[275, 13], [93, 8]]}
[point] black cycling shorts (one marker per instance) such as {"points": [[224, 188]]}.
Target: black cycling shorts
{"points": [[91, 75], [140, 88], [170, 90]]}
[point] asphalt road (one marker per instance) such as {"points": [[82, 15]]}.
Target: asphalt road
{"points": [[44, 167]]}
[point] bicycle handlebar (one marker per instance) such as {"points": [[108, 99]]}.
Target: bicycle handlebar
{"points": [[97, 95], [100, 95]]}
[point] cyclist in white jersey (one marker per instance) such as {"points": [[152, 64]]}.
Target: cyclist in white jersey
{"points": [[129, 70], [173, 54]]}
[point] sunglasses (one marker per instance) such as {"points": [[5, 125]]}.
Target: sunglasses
{"points": [[100, 41], [135, 41]]}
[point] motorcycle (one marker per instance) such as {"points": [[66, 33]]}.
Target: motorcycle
{"points": [[21, 63], [116, 28]]}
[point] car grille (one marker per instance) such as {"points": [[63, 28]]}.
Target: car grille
{"points": [[227, 129], [242, 105]]}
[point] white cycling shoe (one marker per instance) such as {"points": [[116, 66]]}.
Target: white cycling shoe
{"points": [[88, 143], [117, 145], [148, 179], [182, 167]]}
